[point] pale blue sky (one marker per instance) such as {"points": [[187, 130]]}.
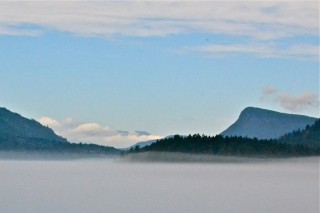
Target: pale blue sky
{"points": [[165, 74]]}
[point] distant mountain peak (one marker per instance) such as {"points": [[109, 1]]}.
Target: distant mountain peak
{"points": [[261, 123], [250, 110]]}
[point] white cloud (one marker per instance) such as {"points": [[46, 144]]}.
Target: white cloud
{"points": [[46, 121], [300, 102], [293, 103], [94, 133], [258, 20], [302, 51], [93, 129]]}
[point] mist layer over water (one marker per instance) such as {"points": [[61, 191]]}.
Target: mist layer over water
{"points": [[112, 186]]}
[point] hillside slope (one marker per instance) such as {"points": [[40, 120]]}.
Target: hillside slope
{"points": [[19, 134], [14, 126], [266, 124], [310, 136]]}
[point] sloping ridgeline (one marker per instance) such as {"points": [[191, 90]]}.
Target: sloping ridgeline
{"points": [[266, 124], [241, 146], [21, 134], [17, 128], [310, 136]]}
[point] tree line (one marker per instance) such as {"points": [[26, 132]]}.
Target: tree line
{"points": [[298, 143]]}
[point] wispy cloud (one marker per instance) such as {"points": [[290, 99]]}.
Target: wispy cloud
{"points": [[95, 133], [258, 20], [263, 50], [261, 23], [299, 102], [267, 92], [293, 103]]}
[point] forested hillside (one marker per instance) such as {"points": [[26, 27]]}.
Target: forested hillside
{"points": [[298, 143]]}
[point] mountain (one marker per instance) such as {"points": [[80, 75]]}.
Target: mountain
{"points": [[310, 136], [266, 124], [228, 146], [304, 142], [20, 134], [148, 143], [141, 144], [14, 126]]}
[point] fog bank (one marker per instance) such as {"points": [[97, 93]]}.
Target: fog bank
{"points": [[99, 185]]}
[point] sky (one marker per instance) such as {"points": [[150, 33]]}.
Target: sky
{"points": [[120, 72]]}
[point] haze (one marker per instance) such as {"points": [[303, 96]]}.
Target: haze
{"points": [[81, 186]]}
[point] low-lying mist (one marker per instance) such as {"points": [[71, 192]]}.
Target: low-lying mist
{"points": [[117, 185], [42, 155], [178, 157]]}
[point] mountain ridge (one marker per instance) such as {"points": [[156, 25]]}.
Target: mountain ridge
{"points": [[23, 135], [294, 144], [254, 122], [14, 125]]}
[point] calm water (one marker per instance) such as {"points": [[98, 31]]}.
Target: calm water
{"points": [[95, 186]]}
